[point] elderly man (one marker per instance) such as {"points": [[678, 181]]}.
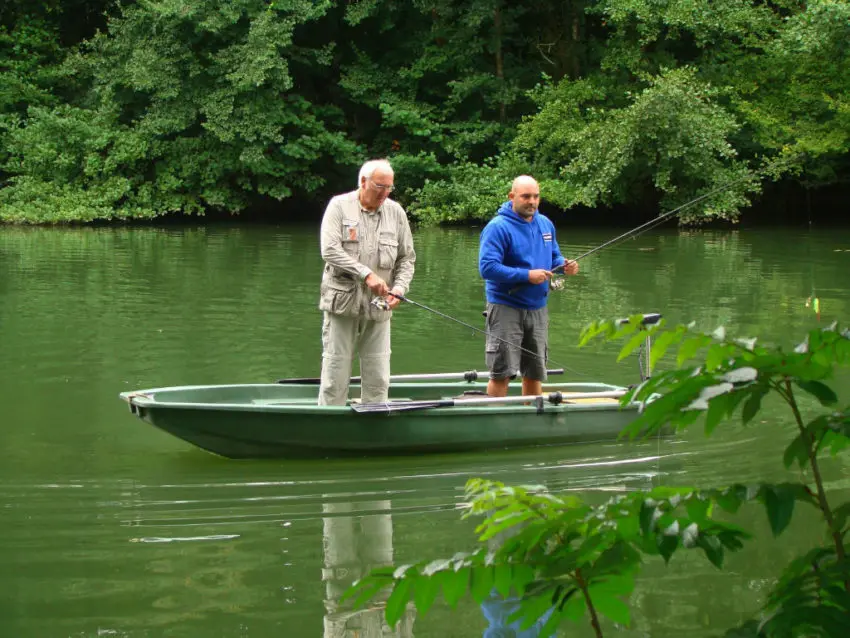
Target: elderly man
{"points": [[368, 251], [517, 254]]}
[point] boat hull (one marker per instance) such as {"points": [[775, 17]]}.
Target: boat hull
{"points": [[266, 421]]}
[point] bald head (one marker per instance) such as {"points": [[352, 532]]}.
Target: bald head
{"points": [[525, 196], [524, 180]]}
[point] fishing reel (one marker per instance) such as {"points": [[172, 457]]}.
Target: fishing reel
{"points": [[380, 303]]}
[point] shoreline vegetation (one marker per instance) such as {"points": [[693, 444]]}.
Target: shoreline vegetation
{"points": [[262, 109]]}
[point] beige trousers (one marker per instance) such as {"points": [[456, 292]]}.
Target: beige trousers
{"points": [[341, 337]]}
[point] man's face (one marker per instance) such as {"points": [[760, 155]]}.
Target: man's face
{"points": [[525, 198], [374, 190]]}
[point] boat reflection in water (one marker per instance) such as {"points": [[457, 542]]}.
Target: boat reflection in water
{"points": [[355, 544]]}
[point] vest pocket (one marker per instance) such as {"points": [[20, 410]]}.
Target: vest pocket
{"points": [[387, 252], [340, 297]]}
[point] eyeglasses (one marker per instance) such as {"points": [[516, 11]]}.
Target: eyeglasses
{"points": [[383, 187]]}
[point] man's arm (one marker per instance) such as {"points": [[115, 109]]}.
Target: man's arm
{"points": [[331, 242], [491, 257]]}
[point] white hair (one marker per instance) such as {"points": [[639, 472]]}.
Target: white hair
{"points": [[369, 168]]}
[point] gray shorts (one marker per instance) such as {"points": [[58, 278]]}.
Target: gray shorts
{"points": [[509, 327]]}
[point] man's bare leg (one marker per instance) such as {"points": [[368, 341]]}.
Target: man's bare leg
{"points": [[498, 387], [531, 387]]}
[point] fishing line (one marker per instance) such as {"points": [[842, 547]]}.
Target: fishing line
{"points": [[471, 327]]}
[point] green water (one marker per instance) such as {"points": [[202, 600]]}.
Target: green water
{"points": [[112, 528]]}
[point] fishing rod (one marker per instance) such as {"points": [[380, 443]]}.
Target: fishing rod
{"points": [[635, 232]]}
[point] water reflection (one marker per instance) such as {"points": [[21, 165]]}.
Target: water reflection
{"points": [[497, 611], [353, 546]]}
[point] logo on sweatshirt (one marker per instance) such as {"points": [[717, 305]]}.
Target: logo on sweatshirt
{"points": [[547, 236]]}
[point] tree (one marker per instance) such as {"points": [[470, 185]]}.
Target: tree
{"points": [[190, 107]]}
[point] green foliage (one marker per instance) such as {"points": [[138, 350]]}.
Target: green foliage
{"points": [[175, 128], [725, 374], [623, 102], [672, 133], [471, 192], [559, 555], [795, 95], [563, 558]]}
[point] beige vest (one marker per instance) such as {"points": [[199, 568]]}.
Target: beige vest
{"points": [[376, 246]]}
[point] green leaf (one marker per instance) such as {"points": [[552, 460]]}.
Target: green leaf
{"points": [[797, 451], [363, 590], [717, 408], [753, 404], [717, 354], [779, 502], [575, 608], [667, 545], [522, 576], [633, 343], [616, 558], [698, 509], [616, 584], [610, 606], [628, 527], [647, 517], [820, 391], [660, 346], [503, 579], [425, 591], [713, 549], [690, 347], [732, 497], [481, 583], [397, 601], [455, 585]]}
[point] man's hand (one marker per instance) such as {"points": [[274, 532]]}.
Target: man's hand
{"points": [[539, 276], [570, 267], [392, 300], [377, 285]]}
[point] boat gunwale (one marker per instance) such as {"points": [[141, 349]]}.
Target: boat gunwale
{"points": [[143, 399]]}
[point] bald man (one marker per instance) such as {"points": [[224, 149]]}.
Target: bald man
{"points": [[517, 254]]}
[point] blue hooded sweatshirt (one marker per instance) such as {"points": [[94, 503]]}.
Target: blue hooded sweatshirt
{"points": [[510, 247]]}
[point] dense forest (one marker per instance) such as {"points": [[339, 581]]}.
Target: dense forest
{"points": [[135, 110]]}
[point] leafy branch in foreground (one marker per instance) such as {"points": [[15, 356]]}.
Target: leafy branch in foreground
{"points": [[561, 558], [715, 376]]}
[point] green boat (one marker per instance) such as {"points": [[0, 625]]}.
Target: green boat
{"points": [[425, 413], [283, 420]]}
